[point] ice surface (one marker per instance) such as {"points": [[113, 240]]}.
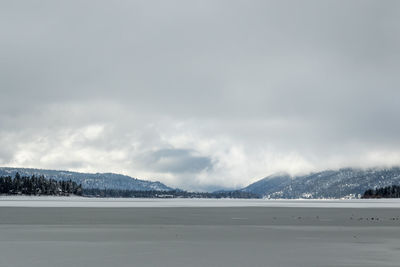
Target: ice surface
{"points": [[198, 236]]}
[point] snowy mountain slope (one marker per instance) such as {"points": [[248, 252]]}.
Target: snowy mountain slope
{"points": [[325, 184], [91, 180], [269, 185]]}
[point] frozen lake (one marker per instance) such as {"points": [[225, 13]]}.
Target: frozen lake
{"points": [[174, 232]]}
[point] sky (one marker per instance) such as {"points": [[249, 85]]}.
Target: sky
{"points": [[200, 95]]}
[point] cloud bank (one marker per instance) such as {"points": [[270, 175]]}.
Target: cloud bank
{"points": [[199, 95]]}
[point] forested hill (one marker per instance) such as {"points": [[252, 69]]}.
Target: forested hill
{"points": [[340, 183], [90, 180]]}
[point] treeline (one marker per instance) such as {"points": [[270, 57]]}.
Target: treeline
{"points": [[392, 191], [41, 186], [37, 185], [165, 194]]}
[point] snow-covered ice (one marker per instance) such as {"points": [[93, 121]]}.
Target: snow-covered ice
{"points": [[46, 201]]}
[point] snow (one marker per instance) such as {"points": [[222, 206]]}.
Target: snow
{"points": [[47, 201]]}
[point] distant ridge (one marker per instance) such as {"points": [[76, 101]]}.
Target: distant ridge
{"points": [[91, 180], [347, 182]]}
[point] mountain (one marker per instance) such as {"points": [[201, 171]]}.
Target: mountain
{"points": [[91, 180], [269, 185], [325, 184]]}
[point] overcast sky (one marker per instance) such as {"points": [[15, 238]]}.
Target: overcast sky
{"points": [[199, 94]]}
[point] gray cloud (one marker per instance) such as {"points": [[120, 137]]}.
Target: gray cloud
{"points": [[176, 161], [241, 89]]}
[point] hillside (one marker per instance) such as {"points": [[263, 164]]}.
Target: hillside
{"points": [[90, 180], [325, 184]]}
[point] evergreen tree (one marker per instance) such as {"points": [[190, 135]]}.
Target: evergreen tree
{"points": [[37, 186]]}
